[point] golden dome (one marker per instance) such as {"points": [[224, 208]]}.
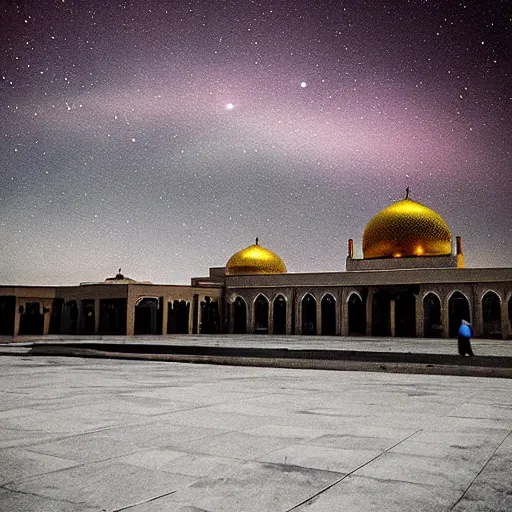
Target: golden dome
{"points": [[255, 259], [406, 228]]}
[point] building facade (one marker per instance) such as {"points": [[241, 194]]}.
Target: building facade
{"points": [[409, 283]]}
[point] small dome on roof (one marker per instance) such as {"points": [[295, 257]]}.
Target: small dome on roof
{"points": [[255, 259]]}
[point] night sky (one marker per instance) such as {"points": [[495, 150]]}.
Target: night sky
{"points": [[162, 137]]}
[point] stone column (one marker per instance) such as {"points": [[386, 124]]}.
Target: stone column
{"points": [[17, 315], [445, 315], [505, 322], [96, 316], [369, 311], [420, 319], [476, 310], [270, 316], [298, 314], [165, 314], [130, 313], [344, 312], [47, 311], [289, 311]]}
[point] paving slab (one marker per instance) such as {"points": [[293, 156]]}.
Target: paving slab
{"points": [[153, 436], [106, 484], [19, 501], [252, 487]]}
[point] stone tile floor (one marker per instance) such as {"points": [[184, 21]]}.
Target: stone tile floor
{"points": [[100, 435]]}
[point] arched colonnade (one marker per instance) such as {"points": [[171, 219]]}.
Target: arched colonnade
{"points": [[371, 311]]}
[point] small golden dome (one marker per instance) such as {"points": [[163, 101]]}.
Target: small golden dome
{"points": [[406, 228], [255, 259]]}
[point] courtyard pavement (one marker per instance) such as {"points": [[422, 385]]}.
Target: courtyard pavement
{"points": [[111, 435], [483, 347]]}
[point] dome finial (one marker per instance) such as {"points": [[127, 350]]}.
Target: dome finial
{"points": [[257, 239], [407, 190]]}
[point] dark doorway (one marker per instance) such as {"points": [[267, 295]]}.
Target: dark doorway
{"points": [[458, 310], [7, 314], [381, 314], [308, 306], [32, 319], [210, 317], [405, 315], [510, 311], [279, 315], [261, 308], [56, 316], [328, 306], [356, 316], [88, 321], [178, 313], [69, 323], [147, 316], [491, 315], [432, 326], [239, 316], [113, 316]]}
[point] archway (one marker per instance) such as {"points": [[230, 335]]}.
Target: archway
{"points": [[113, 316], [261, 308], [279, 315], [308, 306], [328, 306], [405, 315], [7, 314], [56, 316], [32, 319], [70, 317], [146, 316], [491, 315], [432, 325], [239, 316], [356, 315], [458, 310], [178, 313], [381, 314], [210, 319], [88, 320]]}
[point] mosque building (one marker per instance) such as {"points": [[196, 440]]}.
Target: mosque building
{"points": [[410, 282]]}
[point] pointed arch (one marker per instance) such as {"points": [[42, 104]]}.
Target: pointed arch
{"points": [[458, 310], [405, 314], [328, 308], [261, 310], [381, 314], [356, 315], [239, 316], [491, 315], [279, 313], [147, 316], [308, 309], [432, 323]]}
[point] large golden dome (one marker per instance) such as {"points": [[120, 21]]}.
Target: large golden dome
{"points": [[254, 259], [406, 228]]}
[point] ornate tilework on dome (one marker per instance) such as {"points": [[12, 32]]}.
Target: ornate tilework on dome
{"points": [[406, 228]]}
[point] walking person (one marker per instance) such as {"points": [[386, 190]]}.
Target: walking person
{"points": [[464, 340]]}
